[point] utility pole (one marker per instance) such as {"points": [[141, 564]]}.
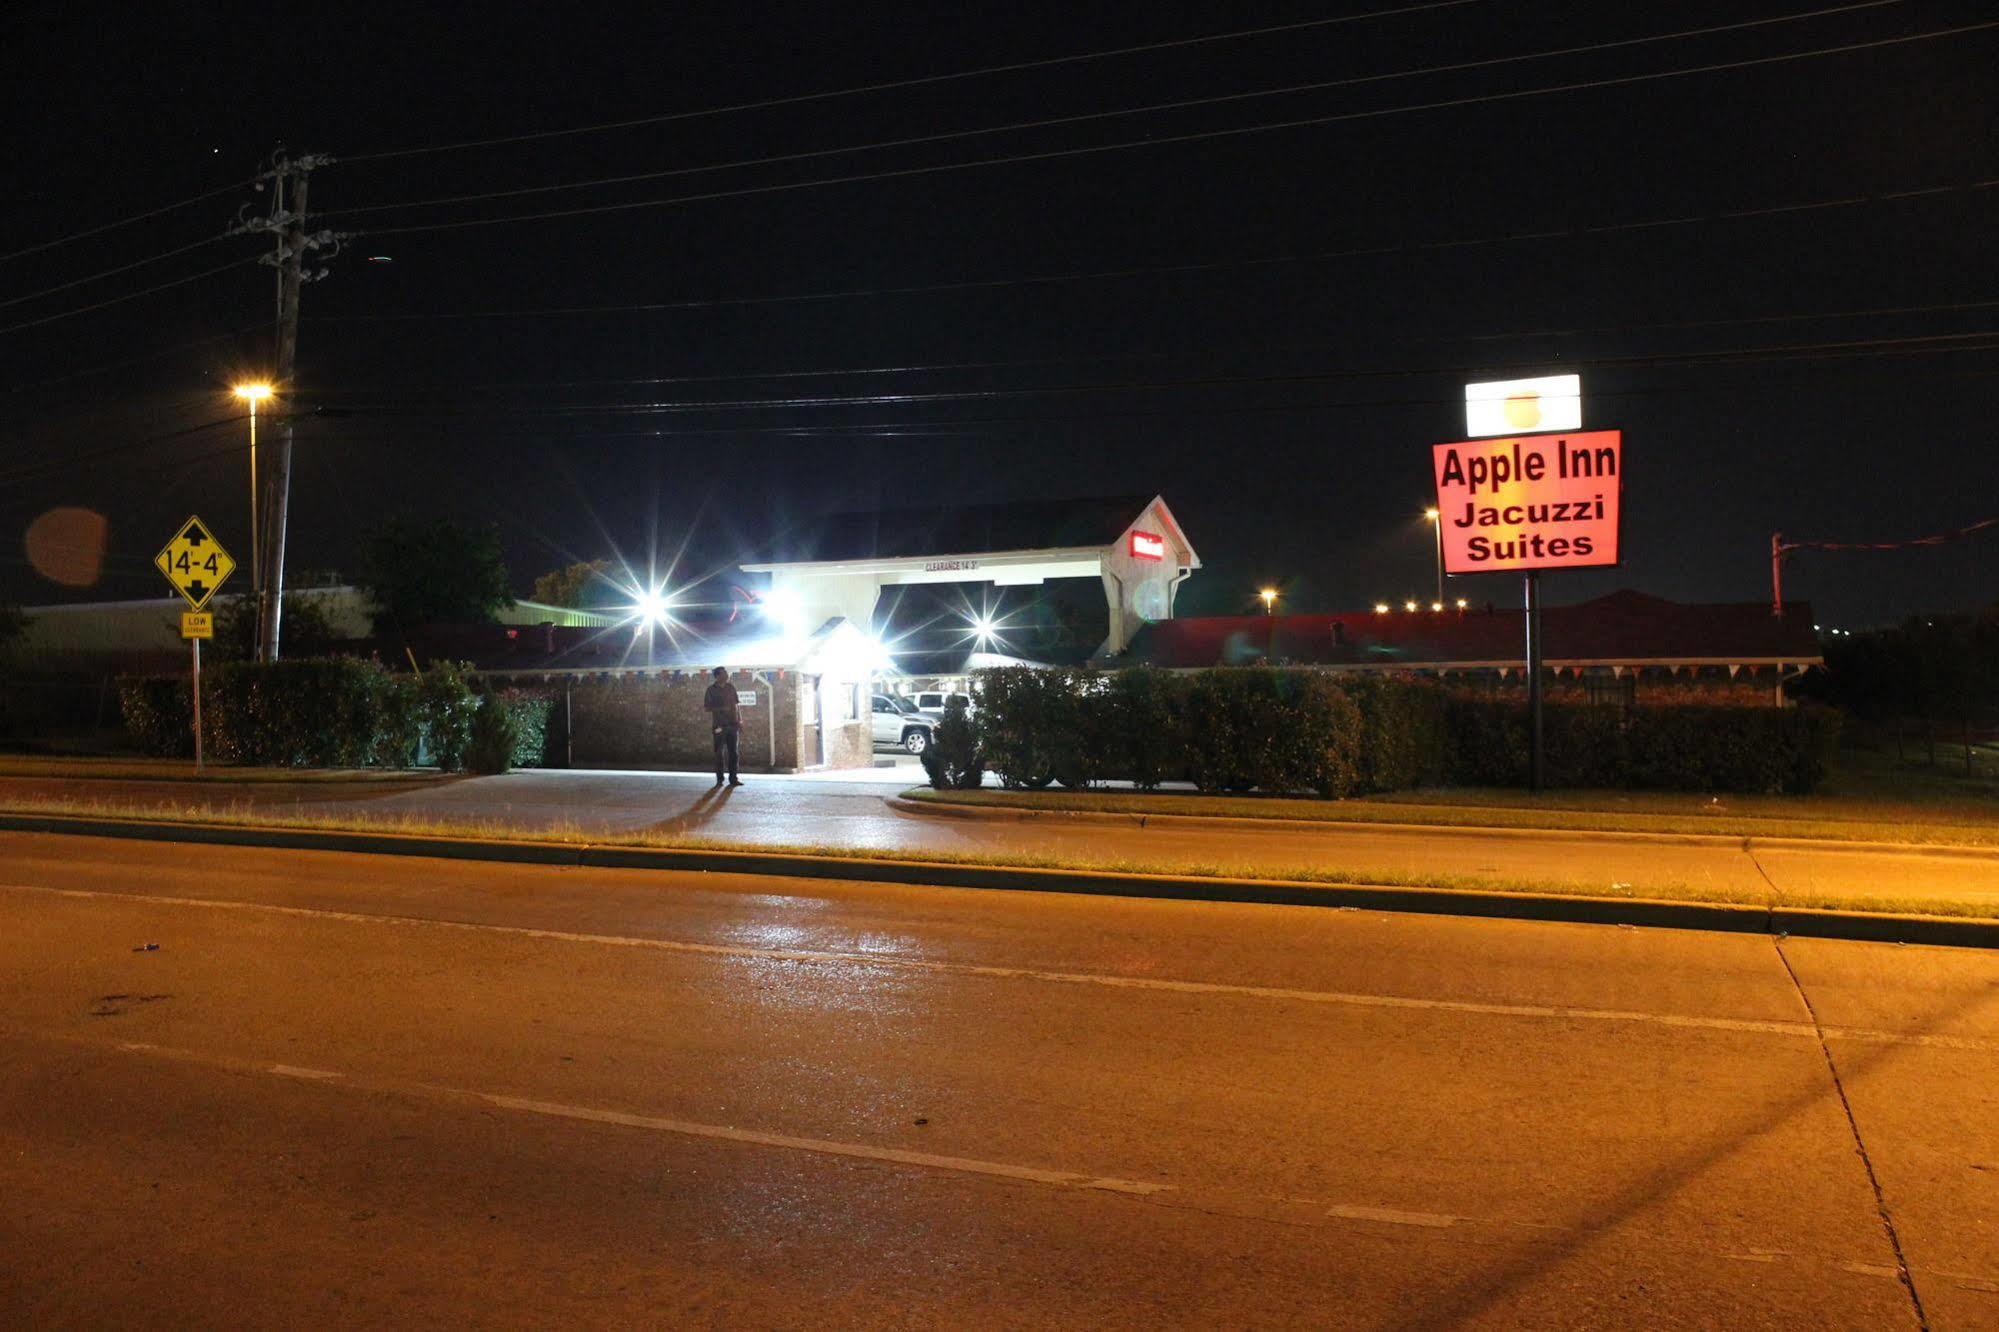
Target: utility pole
{"points": [[288, 219]]}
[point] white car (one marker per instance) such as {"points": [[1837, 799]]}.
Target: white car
{"points": [[899, 723], [932, 701]]}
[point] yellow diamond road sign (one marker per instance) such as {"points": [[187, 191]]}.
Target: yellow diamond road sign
{"points": [[195, 563]]}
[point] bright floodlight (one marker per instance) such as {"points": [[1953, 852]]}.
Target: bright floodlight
{"points": [[984, 627], [253, 393], [1408, 605], [1431, 514], [1381, 608], [1436, 605], [652, 607], [1462, 603]]}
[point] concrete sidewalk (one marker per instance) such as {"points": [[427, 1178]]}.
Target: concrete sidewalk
{"points": [[855, 812]]}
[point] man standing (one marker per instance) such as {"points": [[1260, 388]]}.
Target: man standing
{"points": [[720, 700]]}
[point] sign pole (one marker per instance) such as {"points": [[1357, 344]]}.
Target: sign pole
{"points": [[1537, 761], [195, 643]]}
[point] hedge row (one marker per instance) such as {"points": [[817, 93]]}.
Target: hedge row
{"points": [[1224, 730], [1238, 729], [338, 712]]}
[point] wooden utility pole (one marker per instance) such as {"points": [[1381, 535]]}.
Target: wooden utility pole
{"points": [[296, 242], [277, 498]]}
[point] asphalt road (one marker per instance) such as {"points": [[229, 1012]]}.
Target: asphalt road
{"points": [[354, 1090], [849, 813]]}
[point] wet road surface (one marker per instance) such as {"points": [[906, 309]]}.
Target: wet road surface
{"points": [[348, 1089], [804, 811]]}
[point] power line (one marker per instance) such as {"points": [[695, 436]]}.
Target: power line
{"points": [[133, 360], [1049, 122], [110, 272], [921, 81], [127, 221], [128, 296], [1159, 141], [934, 367], [1985, 339], [967, 427], [1116, 274]]}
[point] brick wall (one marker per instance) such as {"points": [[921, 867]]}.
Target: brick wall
{"points": [[658, 722]]}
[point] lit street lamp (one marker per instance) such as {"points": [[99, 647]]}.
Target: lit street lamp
{"points": [[254, 394], [1437, 521], [1269, 596]]}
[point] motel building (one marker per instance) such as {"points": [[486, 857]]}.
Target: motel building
{"points": [[805, 653]]}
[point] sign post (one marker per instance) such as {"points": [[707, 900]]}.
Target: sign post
{"points": [[195, 563], [1527, 503]]}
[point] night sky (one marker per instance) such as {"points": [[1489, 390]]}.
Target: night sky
{"points": [[1830, 371]]}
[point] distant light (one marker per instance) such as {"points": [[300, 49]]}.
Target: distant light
{"points": [[1381, 608], [1436, 605], [253, 393], [380, 259], [984, 627], [1431, 514], [1269, 594], [1462, 603], [1408, 605]]}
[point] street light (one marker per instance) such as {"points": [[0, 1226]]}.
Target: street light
{"points": [[1409, 605], [254, 394], [1436, 521], [1269, 596]]}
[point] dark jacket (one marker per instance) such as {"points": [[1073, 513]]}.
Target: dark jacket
{"points": [[720, 700]]}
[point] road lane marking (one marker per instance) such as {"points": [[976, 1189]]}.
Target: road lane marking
{"points": [[1754, 1026], [824, 1147], [1274, 1208], [964, 1165], [1433, 1220]]}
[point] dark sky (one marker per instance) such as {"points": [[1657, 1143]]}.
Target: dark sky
{"points": [[1826, 371]]}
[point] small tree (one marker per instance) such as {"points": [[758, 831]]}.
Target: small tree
{"points": [[568, 585], [437, 572], [952, 761], [308, 630]]}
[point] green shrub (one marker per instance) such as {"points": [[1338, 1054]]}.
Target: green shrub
{"points": [[1020, 723], [444, 707], [158, 711], [493, 733], [1402, 731], [1146, 709], [530, 711], [952, 761], [1672, 748]]}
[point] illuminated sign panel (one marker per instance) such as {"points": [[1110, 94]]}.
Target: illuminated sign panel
{"points": [[1147, 545], [1518, 406], [1535, 502]]}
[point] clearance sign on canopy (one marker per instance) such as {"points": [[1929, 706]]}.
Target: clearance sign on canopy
{"points": [[1530, 502]]}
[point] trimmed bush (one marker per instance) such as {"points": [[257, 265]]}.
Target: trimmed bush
{"points": [[159, 715], [444, 707], [493, 734], [1244, 728], [1746, 750], [530, 711], [952, 761]]}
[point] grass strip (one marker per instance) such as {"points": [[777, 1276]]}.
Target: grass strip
{"points": [[182, 770], [1356, 876], [1572, 817]]}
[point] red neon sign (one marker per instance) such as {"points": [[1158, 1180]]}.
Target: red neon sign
{"points": [[1147, 545], [1533, 502]]}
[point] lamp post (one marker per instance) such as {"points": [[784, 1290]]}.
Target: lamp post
{"points": [[1437, 521], [1269, 598], [254, 394]]}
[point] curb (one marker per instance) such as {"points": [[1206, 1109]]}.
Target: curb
{"points": [[1810, 922], [945, 809]]}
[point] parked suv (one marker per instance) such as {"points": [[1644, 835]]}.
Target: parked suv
{"points": [[897, 722], [932, 701]]}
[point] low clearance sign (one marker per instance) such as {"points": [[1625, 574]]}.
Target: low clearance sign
{"points": [[1532, 502]]}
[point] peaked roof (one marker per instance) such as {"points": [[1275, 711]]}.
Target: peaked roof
{"points": [[960, 530], [1623, 627]]}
